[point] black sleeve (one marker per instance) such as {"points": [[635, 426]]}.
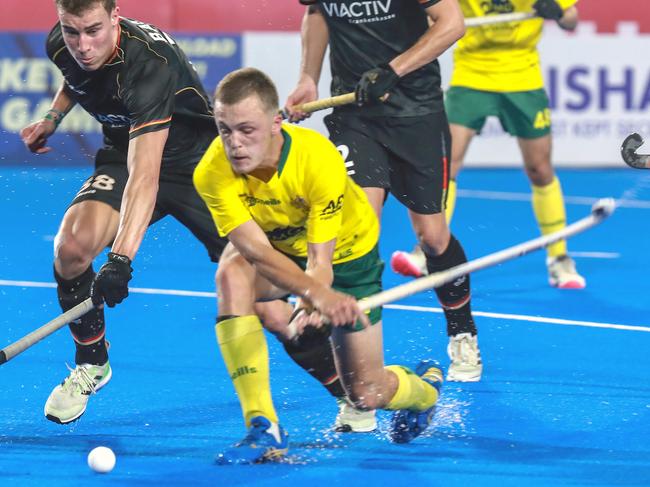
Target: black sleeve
{"points": [[56, 51], [149, 96], [428, 3], [54, 42]]}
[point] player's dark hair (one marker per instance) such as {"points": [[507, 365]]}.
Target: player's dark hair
{"points": [[242, 83], [77, 7]]}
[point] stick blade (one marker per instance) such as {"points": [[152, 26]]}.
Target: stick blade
{"points": [[628, 152], [603, 207]]}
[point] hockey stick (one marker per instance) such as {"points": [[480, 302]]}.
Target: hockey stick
{"points": [[10, 351], [498, 19], [628, 150], [599, 211], [322, 104]]}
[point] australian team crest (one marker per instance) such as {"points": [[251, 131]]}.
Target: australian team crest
{"points": [[300, 203]]}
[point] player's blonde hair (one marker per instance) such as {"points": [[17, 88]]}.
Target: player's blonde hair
{"points": [[242, 83], [77, 7]]}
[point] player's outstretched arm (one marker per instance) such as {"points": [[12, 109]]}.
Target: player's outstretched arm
{"points": [[314, 39], [35, 135], [139, 199], [251, 242], [138, 202]]}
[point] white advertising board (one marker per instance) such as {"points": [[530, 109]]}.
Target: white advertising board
{"points": [[598, 84]]}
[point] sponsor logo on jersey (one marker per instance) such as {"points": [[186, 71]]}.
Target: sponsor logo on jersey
{"points": [[284, 233], [497, 7], [76, 88], [332, 207], [112, 120], [252, 201], [359, 12]]}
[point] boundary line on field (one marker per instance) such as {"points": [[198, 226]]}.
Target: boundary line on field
{"points": [[402, 307]]}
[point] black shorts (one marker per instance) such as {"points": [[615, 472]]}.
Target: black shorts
{"points": [[407, 155], [176, 197]]}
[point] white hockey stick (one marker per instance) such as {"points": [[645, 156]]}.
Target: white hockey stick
{"points": [[599, 211], [498, 19], [10, 351]]}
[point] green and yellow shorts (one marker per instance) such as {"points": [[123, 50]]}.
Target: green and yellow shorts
{"points": [[360, 277], [524, 114]]}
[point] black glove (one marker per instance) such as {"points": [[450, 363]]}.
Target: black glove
{"points": [[111, 284], [374, 84], [548, 9]]}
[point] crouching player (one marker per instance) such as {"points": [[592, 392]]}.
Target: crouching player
{"points": [[296, 225]]}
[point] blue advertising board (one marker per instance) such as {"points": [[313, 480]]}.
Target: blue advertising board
{"points": [[28, 80]]}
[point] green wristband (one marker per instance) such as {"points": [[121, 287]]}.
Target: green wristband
{"points": [[55, 116]]}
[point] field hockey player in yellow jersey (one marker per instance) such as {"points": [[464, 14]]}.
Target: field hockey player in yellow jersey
{"points": [[297, 224], [497, 73]]}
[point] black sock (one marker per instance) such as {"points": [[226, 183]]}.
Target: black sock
{"points": [[453, 296], [88, 331], [313, 352]]}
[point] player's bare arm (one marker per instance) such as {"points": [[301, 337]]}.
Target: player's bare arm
{"points": [[319, 266], [569, 19], [315, 37], [551, 10], [35, 135], [447, 26], [139, 200], [252, 243]]}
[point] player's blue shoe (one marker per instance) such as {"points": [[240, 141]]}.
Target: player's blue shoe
{"points": [[406, 425], [264, 441]]}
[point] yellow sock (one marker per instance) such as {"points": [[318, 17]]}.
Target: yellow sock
{"points": [[548, 205], [451, 200], [244, 351], [412, 392]]}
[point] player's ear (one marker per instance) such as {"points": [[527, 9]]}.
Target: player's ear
{"points": [[276, 128], [115, 16]]}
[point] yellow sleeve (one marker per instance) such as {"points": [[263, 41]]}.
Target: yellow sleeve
{"points": [[325, 181], [221, 189], [565, 4]]}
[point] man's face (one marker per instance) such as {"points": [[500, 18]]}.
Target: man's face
{"points": [[90, 36], [246, 130]]}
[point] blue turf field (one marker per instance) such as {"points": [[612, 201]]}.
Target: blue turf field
{"points": [[560, 403]]}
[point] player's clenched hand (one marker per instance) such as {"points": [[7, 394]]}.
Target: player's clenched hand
{"points": [[305, 91], [339, 308], [36, 134], [302, 318], [548, 9], [375, 85], [111, 284]]}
